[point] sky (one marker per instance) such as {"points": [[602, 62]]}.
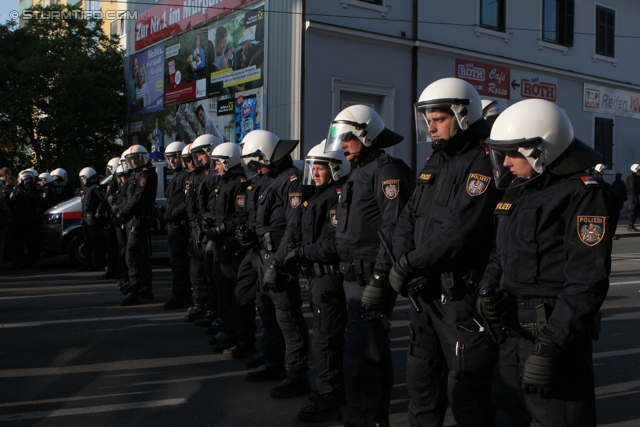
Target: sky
{"points": [[6, 6]]}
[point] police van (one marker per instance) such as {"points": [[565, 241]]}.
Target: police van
{"points": [[61, 233]]}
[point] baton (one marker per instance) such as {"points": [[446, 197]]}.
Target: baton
{"points": [[387, 248]]}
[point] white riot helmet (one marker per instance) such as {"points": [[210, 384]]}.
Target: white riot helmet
{"points": [[136, 156], [264, 147], [491, 110], [634, 167], [112, 165], [33, 172], [88, 175], [174, 150], [25, 175], [228, 154], [600, 168], [334, 160], [364, 123], [204, 143], [186, 157], [59, 174], [46, 178], [541, 132], [452, 96], [120, 171]]}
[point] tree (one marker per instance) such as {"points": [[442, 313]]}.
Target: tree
{"points": [[61, 93]]}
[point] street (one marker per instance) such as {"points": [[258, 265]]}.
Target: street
{"points": [[71, 355]]}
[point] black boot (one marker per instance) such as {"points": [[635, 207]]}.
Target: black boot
{"points": [[132, 298], [320, 412], [208, 319], [195, 312], [292, 386], [257, 359], [215, 327], [266, 373], [242, 350], [175, 303]]}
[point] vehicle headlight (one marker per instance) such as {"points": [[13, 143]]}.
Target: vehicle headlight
{"points": [[55, 218]]}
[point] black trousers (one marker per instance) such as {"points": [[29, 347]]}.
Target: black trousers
{"points": [[572, 400], [111, 246], [178, 237], [246, 289], [634, 207], [286, 307], [137, 253], [446, 357], [226, 271], [197, 272], [368, 369], [93, 243], [121, 234], [329, 308]]}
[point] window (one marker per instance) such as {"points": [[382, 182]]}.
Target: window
{"points": [[603, 140], [605, 31], [114, 28], [379, 2], [492, 14], [557, 21]]}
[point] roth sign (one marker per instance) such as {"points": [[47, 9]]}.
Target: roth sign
{"points": [[528, 85], [489, 80]]}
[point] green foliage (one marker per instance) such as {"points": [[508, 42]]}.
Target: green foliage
{"points": [[61, 94]]}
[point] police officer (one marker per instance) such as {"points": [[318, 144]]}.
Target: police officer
{"points": [[246, 290], [549, 271], [318, 259], [442, 243], [371, 199], [141, 196], [491, 110], [277, 220], [228, 210], [175, 213], [62, 187], [91, 231], [48, 192], [106, 220], [194, 196], [26, 203], [116, 200], [633, 193]]}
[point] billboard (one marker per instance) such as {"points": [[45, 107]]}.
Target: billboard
{"points": [[144, 84], [186, 67], [607, 100]]}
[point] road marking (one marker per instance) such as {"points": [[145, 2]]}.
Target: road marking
{"points": [[633, 282], [91, 410], [50, 295], [616, 353], [91, 319], [69, 399]]}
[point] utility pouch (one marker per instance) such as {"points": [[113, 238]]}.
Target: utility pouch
{"points": [[268, 242], [448, 284], [347, 272]]}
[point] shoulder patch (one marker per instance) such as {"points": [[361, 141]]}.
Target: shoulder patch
{"points": [[588, 180], [242, 179], [591, 229], [293, 177], [391, 188], [240, 199], [143, 182], [333, 216], [503, 206], [477, 184], [295, 199]]}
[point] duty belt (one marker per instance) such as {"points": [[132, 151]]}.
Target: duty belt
{"points": [[318, 270], [194, 224], [357, 271]]}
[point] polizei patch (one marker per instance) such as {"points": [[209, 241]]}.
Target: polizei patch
{"points": [[391, 188], [477, 184], [240, 199], [295, 199], [333, 215], [591, 229]]}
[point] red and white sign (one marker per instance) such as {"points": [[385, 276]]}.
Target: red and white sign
{"points": [[528, 85], [489, 80], [173, 17]]}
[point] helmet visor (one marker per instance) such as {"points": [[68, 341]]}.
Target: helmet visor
{"points": [[341, 131], [172, 156], [516, 162], [134, 161], [422, 110]]}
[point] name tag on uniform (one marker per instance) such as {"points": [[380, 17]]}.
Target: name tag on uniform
{"points": [[503, 206]]}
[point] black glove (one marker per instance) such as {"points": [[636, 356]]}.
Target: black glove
{"points": [[97, 216], [114, 209], [110, 199], [374, 293], [399, 273], [246, 237], [214, 233], [294, 256], [541, 365], [270, 278], [491, 305]]}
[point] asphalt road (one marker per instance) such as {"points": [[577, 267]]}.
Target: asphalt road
{"points": [[70, 355]]}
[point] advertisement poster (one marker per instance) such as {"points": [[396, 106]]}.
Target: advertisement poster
{"points": [[171, 17], [607, 100], [186, 67], [526, 85], [488, 80], [145, 88], [236, 52], [153, 131], [248, 112], [197, 118]]}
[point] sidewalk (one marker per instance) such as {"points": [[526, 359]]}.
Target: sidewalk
{"points": [[623, 223]]}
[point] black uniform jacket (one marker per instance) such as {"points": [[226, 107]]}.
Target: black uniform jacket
{"points": [[372, 198], [141, 192], [91, 199], [553, 240], [278, 208], [318, 225], [447, 224], [176, 206]]}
